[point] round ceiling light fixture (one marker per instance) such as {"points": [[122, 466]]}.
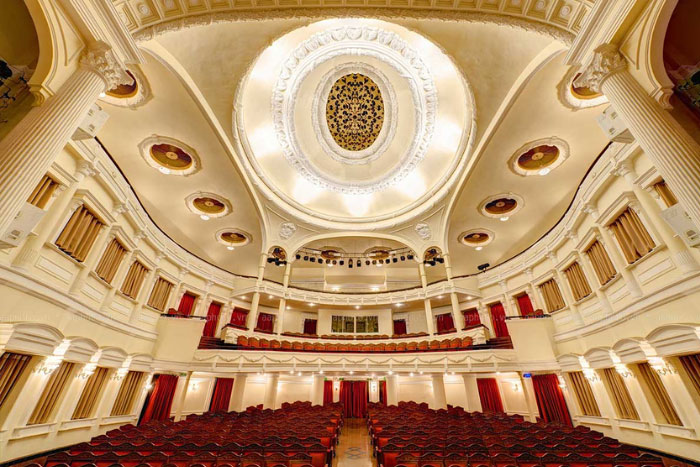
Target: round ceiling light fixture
{"points": [[539, 157], [169, 156], [208, 205], [501, 206]]}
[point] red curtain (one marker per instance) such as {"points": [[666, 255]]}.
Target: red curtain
{"points": [[525, 305], [265, 322], [221, 395], [400, 327], [353, 395], [382, 392], [489, 395], [186, 304], [445, 323], [471, 318], [327, 392], [310, 326], [161, 399], [238, 317], [550, 399], [498, 319], [212, 319]]}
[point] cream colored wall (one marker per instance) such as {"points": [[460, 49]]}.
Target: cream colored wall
{"points": [[290, 389], [254, 392], [455, 391], [418, 389]]}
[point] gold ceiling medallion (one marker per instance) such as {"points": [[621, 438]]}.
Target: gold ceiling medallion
{"points": [[476, 238], [171, 157], [538, 157], [500, 206], [208, 205], [355, 112], [233, 238]]}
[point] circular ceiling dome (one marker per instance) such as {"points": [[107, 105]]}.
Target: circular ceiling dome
{"points": [[368, 121], [355, 112]]}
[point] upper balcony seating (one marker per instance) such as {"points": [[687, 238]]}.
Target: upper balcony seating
{"points": [[412, 435], [254, 343], [297, 435]]}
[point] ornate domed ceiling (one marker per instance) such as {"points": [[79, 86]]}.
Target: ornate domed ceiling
{"points": [[370, 118]]}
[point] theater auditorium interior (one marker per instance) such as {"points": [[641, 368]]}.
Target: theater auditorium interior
{"points": [[349, 233]]}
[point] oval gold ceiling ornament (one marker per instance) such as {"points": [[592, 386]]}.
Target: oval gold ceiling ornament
{"points": [[355, 112], [208, 205], [476, 238], [169, 156], [539, 157], [233, 238], [501, 206]]}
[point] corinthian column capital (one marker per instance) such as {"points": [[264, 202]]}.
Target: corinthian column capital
{"points": [[607, 61], [102, 60]]}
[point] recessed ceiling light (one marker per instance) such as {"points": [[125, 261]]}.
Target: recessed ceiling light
{"points": [[103, 94], [269, 296], [544, 171], [320, 372], [410, 374], [312, 304], [504, 218], [357, 307], [439, 297], [479, 248], [204, 217], [389, 372], [164, 170], [352, 372], [399, 304], [243, 297], [289, 307], [335, 288], [469, 297], [375, 289], [230, 248]]}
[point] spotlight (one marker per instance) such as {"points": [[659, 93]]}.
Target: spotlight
{"points": [[359, 263], [269, 260], [374, 261], [367, 262], [403, 258], [394, 260], [440, 260], [410, 257], [306, 258], [387, 261], [342, 262], [328, 261], [312, 259], [482, 267], [335, 262], [350, 265], [298, 256]]}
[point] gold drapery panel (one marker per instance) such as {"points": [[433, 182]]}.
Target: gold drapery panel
{"points": [[633, 238], [134, 279], [577, 281], [43, 192], [12, 365], [665, 193], [659, 395], [79, 234], [128, 390], [691, 365], [619, 395], [110, 261], [600, 260], [584, 394], [160, 294], [91, 394], [53, 391], [552, 295]]}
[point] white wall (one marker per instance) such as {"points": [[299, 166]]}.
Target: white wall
{"points": [[254, 392], [418, 389], [291, 389]]}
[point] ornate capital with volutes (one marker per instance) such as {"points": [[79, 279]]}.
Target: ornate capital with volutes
{"points": [[606, 62], [102, 60]]}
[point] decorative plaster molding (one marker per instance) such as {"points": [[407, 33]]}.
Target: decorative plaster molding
{"points": [[423, 231], [145, 147], [142, 96], [287, 230], [103, 61], [567, 97], [606, 62], [382, 45]]}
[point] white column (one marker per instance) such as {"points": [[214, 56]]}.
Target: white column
{"points": [[672, 150], [251, 319], [271, 391], [529, 394], [181, 394], [392, 390], [279, 325], [457, 312], [58, 210], [485, 318], [537, 302], [28, 150], [439, 396], [236, 404], [430, 326], [472, 393], [317, 390]]}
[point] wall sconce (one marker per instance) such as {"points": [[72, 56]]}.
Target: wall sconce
{"points": [[516, 387], [661, 366], [622, 369], [194, 386], [88, 370], [373, 386], [50, 364], [590, 374]]}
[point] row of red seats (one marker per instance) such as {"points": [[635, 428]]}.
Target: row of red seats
{"points": [[457, 343], [412, 435], [359, 337], [298, 435]]}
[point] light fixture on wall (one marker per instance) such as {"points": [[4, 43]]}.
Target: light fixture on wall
{"points": [[194, 385], [622, 369], [516, 386]]}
